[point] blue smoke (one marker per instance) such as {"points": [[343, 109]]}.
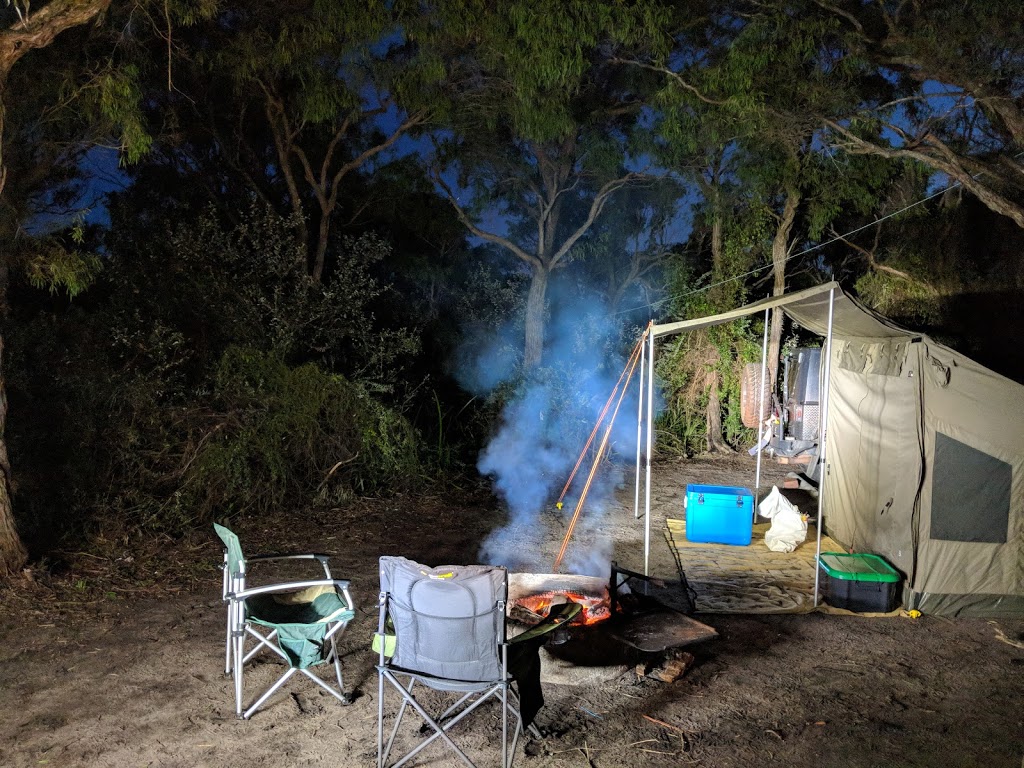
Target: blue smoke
{"points": [[545, 421]]}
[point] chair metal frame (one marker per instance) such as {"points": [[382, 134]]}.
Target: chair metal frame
{"points": [[240, 627], [234, 583], [483, 691]]}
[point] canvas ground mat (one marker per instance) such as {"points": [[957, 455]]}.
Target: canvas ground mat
{"points": [[750, 579]]}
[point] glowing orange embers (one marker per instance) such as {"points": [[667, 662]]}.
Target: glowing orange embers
{"points": [[595, 607]]}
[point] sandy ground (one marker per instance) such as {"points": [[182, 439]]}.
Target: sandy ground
{"points": [[136, 679]]}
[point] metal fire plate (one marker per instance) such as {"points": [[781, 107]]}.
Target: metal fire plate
{"points": [[655, 632]]}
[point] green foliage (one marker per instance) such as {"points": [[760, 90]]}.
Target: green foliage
{"points": [[119, 100], [912, 302], [293, 434], [196, 381], [58, 269], [264, 435], [532, 63], [691, 363], [246, 283], [687, 367]]}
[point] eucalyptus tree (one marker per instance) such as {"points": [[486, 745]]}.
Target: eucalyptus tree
{"points": [[288, 102], [744, 86], [952, 90], [631, 246], [539, 130], [58, 97], [22, 31]]}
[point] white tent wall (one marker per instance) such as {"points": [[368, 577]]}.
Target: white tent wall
{"points": [[924, 456]]}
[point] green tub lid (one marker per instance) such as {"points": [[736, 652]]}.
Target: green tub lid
{"points": [[857, 567]]}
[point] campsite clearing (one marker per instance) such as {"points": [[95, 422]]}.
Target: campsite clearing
{"points": [[96, 674]]}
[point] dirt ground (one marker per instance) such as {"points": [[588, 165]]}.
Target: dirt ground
{"points": [[96, 673]]}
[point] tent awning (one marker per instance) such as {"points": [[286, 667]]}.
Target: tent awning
{"points": [[808, 308]]}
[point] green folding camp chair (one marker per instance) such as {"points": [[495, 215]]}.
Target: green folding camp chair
{"points": [[299, 621]]}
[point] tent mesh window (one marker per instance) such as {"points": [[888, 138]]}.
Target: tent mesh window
{"points": [[970, 494]]}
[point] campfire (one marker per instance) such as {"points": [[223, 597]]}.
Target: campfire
{"points": [[596, 608], [531, 596], [613, 615]]}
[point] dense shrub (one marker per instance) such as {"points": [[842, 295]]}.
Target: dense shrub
{"points": [[204, 375], [691, 363]]}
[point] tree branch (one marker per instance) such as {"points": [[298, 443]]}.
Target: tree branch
{"points": [[596, 205], [870, 256], [941, 158], [672, 74], [490, 237], [40, 28]]}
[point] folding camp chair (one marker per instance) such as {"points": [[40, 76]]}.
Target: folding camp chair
{"points": [[444, 628], [299, 621]]}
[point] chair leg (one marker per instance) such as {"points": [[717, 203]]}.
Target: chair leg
{"points": [[227, 645], [398, 721], [270, 692], [239, 642], [504, 726], [456, 707], [518, 730], [263, 641], [440, 731], [380, 718], [337, 671]]}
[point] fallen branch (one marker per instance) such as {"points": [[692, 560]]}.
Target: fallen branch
{"points": [[661, 722], [1001, 637]]}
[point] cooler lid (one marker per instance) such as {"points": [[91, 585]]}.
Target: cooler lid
{"points": [[857, 567], [718, 490]]}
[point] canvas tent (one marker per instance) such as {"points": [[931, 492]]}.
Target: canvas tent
{"points": [[923, 454]]}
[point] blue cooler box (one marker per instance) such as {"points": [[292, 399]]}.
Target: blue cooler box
{"points": [[716, 514]]}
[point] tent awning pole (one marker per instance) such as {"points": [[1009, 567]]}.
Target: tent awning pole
{"points": [[760, 410], [823, 432], [650, 433], [639, 432]]}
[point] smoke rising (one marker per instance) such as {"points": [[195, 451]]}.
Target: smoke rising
{"points": [[544, 423]]}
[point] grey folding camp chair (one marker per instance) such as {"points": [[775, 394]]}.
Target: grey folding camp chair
{"points": [[299, 621], [444, 628]]}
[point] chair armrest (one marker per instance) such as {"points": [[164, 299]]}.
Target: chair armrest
{"points": [[341, 585], [323, 559]]}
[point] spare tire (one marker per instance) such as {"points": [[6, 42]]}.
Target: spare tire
{"points": [[750, 396]]}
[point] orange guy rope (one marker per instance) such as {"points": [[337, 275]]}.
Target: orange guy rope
{"points": [[637, 350], [593, 468]]}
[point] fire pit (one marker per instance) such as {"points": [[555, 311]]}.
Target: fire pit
{"points": [[616, 623]]}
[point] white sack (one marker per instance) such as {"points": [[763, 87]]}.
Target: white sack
{"points": [[788, 529]]}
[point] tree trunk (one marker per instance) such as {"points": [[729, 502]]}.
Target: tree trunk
{"points": [[715, 440], [535, 302], [37, 30], [322, 237], [780, 252], [13, 554], [717, 295]]}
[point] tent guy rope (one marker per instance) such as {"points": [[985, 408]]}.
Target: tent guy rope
{"points": [[627, 374]]}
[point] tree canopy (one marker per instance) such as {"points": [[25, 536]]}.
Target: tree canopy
{"points": [[260, 237]]}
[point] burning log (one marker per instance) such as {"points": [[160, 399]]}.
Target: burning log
{"points": [[531, 595], [596, 608]]}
